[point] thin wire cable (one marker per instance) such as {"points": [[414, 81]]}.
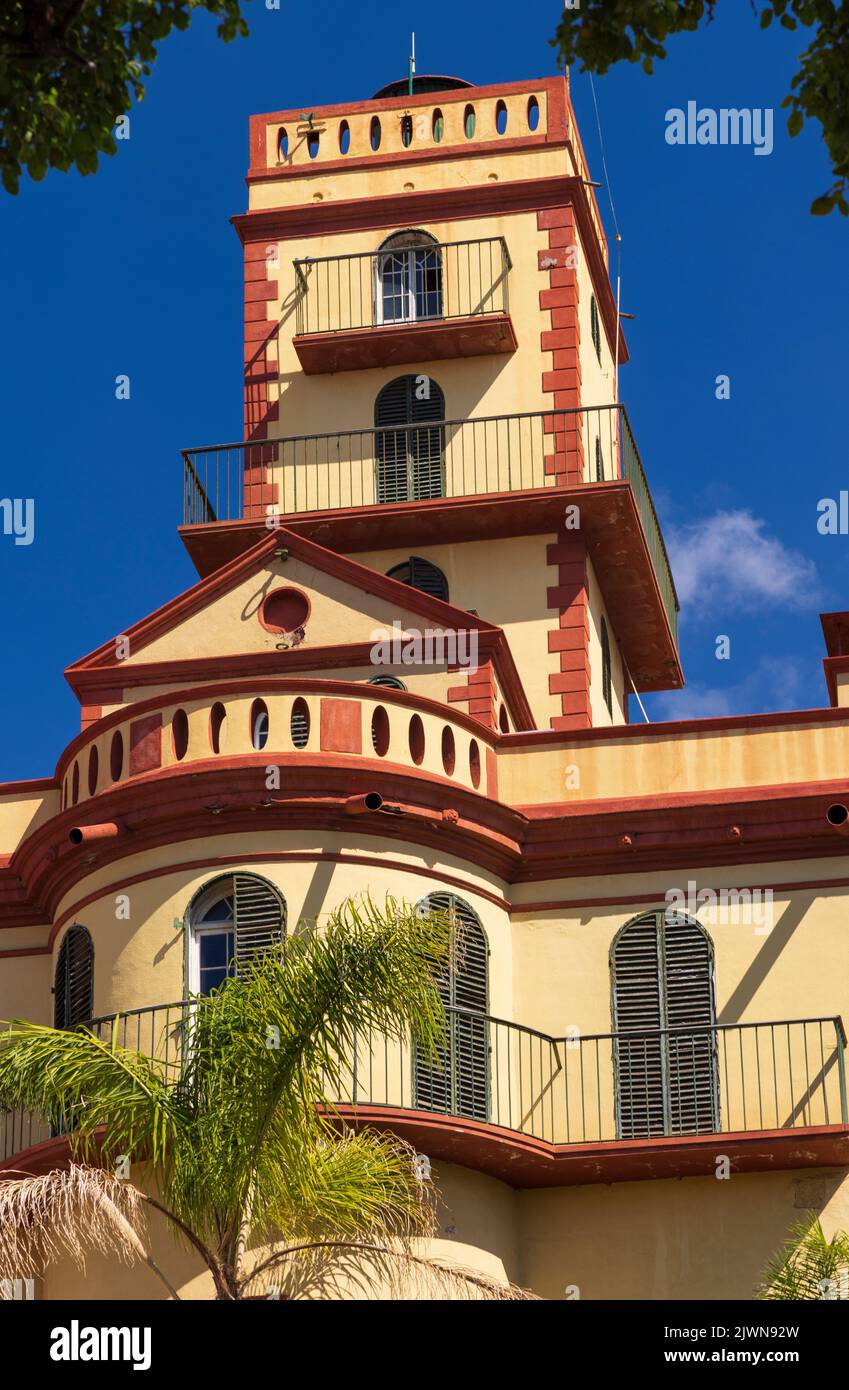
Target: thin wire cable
{"points": [[604, 160]]}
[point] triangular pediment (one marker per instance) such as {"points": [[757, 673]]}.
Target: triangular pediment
{"points": [[282, 600]]}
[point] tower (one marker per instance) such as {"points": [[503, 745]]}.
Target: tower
{"points": [[432, 355]]}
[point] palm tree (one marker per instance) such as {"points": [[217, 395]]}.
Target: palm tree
{"points": [[238, 1146], [808, 1267]]}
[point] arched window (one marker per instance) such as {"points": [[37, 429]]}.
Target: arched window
{"points": [[455, 1079], [606, 676], [73, 984], [409, 279], [231, 920], [595, 327], [391, 682], [664, 1017], [410, 453], [422, 575]]}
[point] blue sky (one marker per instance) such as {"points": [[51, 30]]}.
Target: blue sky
{"points": [[135, 270]]}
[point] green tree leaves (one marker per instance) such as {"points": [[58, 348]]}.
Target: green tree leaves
{"points": [[604, 32], [70, 68]]}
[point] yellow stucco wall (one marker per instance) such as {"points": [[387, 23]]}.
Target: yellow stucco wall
{"points": [[505, 582], [670, 1239]]}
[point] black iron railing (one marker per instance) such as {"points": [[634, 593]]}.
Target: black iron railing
{"points": [[583, 1088], [443, 458], [402, 284], [158, 1032]]}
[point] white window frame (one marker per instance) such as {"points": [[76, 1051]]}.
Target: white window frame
{"points": [[408, 254]]}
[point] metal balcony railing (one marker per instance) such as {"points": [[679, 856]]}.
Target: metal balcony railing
{"points": [[402, 284], [421, 463], [586, 1088]]}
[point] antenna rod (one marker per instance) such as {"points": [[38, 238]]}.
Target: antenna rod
{"points": [[412, 61]]}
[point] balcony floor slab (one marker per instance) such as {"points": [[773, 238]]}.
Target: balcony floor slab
{"points": [[389, 345], [522, 1160]]}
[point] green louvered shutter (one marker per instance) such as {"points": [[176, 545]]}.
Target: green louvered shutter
{"points": [[691, 1055], [73, 1000], [637, 1005], [666, 1083], [259, 915], [409, 456], [422, 575], [456, 1080]]}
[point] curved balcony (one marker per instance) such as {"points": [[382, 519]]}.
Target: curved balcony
{"points": [[276, 717], [535, 1110]]}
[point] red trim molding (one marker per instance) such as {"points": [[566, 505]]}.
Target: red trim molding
{"points": [[357, 348], [261, 364], [563, 337], [571, 638], [478, 693], [523, 1161]]}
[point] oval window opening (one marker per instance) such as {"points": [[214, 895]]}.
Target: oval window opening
{"points": [[283, 144], [217, 716], [503, 720], [449, 756], [406, 131], [438, 126], [259, 724], [374, 133], [116, 756], [344, 138], [533, 113], [501, 117], [417, 740], [380, 731], [475, 763], [299, 725], [284, 610], [469, 122], [93, 766], [180, 734], [312, 143], [75, 785]]}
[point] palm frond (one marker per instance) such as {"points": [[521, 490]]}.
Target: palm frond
{"points": [[83, 1083], [65, 1214], [333, 1269], [808, 1267], [367, 969], [343, 1183]]}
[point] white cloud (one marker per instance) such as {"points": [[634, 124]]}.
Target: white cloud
{"points": [[729, 561], [770, 685]]}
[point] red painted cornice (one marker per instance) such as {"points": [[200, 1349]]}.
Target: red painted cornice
{"points": [[525, 1161], [203, 799], [97, 685], [675, 728]]}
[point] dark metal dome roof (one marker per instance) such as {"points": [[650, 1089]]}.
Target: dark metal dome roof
{"points": [[424, 83]]}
